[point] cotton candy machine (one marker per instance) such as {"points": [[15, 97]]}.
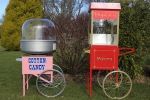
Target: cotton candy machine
{"points": [[38, 36], [39, 42]]}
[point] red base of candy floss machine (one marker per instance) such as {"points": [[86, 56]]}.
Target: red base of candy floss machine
{"points": [[38, 43]]}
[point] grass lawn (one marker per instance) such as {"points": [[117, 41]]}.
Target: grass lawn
{"points": [[11, 85]]}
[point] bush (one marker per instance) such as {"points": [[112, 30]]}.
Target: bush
{"points": [[17, 12], [72, 37], [147, 60], [134, 29]]}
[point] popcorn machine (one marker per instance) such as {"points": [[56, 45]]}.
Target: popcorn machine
{"points": [[104, 51]]}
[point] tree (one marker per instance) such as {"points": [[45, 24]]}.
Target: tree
{"points": [[0, 31], [64, 8], [1, 21], [17, 12], [71, 29], [134, 32]]}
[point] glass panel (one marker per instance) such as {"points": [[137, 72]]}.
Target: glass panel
{"points": [[38, 29], [104, 32], [104, 26]]}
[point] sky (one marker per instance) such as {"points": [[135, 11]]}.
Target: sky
{"points": [[3, 5]]}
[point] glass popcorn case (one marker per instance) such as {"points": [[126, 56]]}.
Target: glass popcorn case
{"points": [[104, 24]]}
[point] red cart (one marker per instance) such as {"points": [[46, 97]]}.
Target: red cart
{"points": [[104, 51]]}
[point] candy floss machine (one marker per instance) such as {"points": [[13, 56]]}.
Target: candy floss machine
{"points": [[38, 36], [39, 43]]}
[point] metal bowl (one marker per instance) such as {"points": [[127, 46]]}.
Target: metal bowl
{"points": [[38, 46]]}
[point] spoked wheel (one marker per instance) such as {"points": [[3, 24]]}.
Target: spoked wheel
{"points": [[117, 85], [56, 67], [50, 83], [100, 76]]}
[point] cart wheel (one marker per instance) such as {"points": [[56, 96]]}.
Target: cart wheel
{"points": [[117, 85], [50, 83], [56, 67], [100, 76]]}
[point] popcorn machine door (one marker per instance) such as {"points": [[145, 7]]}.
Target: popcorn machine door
{"points": [[104, 57]]}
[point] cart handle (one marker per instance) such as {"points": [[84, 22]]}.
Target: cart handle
{"points": [[130, 50]]}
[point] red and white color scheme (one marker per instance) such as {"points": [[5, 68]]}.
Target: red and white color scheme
{"points": [[104, 50]]}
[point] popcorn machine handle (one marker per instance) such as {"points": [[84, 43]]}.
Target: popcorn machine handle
{"points": [[129, 50]]}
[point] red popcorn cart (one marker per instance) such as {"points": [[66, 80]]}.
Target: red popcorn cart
{"points": [[39, 43], [104, 51]]}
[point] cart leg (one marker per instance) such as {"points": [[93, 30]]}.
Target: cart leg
{"points": [[23, 84], [90, 83], [27, 81]]}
